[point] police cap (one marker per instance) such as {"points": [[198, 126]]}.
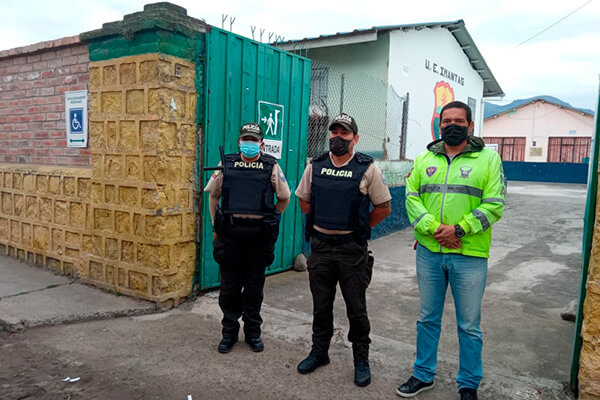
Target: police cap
{"points": [[251, 129], [346, 121]]}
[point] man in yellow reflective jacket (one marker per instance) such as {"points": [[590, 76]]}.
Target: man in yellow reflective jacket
{"points": [[454, 194]]}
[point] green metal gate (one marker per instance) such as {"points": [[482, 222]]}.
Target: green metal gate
{"points": [[243, 78]]}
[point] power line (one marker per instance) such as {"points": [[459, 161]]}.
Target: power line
{"points": [[554, 24]]}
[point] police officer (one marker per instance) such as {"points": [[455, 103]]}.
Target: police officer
{"points": [[336, 192], [246, 225]]}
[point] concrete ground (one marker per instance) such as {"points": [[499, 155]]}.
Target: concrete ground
{"points": [[534, 272]]}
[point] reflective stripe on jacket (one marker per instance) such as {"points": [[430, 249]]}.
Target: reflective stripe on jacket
{"points": [[469, 191]]}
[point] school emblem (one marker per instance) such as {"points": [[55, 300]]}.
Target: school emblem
{"points": [[444, 94], [465, 171], [430, 171]]}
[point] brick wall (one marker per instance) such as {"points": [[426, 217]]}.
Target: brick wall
{"points": [[33, 80]]}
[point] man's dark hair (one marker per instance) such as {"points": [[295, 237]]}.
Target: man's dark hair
{"points": [[457, 104]]}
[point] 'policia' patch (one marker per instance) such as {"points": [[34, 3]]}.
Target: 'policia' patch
{"points": [[336, 172], [243, 164]]}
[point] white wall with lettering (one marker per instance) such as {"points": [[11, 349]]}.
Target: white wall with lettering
{"points": [[430, 65]]}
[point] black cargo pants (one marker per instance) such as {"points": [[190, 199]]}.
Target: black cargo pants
{"points": [[243, 251], [342, 259]]}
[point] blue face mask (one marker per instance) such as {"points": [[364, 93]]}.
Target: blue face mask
{"points": [[249, 148]]}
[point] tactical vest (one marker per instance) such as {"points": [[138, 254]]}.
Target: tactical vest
{"points": [[247, 187], [336, 201]]}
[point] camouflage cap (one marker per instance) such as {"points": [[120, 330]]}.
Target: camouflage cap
{"points": [[251, 129], [346, 121]]}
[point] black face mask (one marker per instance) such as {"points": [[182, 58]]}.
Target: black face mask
{"points": [[339, 146], [454, 135]]}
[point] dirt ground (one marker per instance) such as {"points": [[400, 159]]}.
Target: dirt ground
{"points": [[533, 274]]}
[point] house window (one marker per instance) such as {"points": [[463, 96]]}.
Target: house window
{"points": [[569, 149], [319, 78], [473, 106], [509, 148]]}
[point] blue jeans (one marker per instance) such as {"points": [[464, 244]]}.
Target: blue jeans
{"points": [[467, 276]]}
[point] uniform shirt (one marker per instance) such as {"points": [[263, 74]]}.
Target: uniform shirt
{"points": [[280, 187], [372, 184]]}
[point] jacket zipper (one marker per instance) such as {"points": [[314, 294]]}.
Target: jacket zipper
{"points": [[444, 194]]}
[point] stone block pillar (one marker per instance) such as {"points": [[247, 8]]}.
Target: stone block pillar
{"points": [[589, 362], [143, 140]]}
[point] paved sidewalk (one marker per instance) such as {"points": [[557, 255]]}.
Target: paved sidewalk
{"points": [[31, 296]]}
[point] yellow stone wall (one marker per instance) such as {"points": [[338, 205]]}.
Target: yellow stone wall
{"points": [[143, 139], [589, 364], [44, 215]]}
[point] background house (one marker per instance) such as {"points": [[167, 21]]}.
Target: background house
{"points": [[539, 129], [394, 80]]}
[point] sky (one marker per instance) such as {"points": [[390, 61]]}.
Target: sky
{"points": [[561, 60]]}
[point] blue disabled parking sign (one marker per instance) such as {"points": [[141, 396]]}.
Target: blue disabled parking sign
{"points": [[76, 118]]}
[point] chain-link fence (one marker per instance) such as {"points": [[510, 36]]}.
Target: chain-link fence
{"points": [[375, 105]]}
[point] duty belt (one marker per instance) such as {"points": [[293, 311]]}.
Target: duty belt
{"points": [[247, 221], [334, 239]]}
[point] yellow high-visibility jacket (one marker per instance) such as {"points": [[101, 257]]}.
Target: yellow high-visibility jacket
{"points": [[467, 190]]}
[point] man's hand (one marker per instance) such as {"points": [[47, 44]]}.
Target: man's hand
{"points": [[446, 236], [214, 236]]}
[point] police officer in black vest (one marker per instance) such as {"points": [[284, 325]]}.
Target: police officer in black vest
{"points": [[336, 191], [246, 225]]}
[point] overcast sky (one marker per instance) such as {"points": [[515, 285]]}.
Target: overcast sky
{"points": [[563, 61]]}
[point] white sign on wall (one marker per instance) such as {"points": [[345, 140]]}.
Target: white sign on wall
{"points": [[493, 146], [76, 118], [270, 119]]}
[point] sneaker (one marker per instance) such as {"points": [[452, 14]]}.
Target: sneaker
{"points": [[468, 394], [362, 372], [413, 387], [312, 362], [256, 344], [227, 344]]}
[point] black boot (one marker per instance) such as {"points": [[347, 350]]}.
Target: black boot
{"points": [[256, 344], [313, 361], [362, 372], [227, 344]]}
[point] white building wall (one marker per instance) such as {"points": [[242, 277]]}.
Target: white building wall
{"points": [[369, 57], [365, 88], [417, 63], [537, 122]]}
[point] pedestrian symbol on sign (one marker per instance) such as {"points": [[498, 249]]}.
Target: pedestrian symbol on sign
{"points": [[271, 123]]}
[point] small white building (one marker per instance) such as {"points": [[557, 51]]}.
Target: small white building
{"points": [[540, 129], [424, 65]]}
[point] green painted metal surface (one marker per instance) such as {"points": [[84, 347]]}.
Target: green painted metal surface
{"points": [[160, 28], [239, 73], [589, 221], [156, 41]]}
